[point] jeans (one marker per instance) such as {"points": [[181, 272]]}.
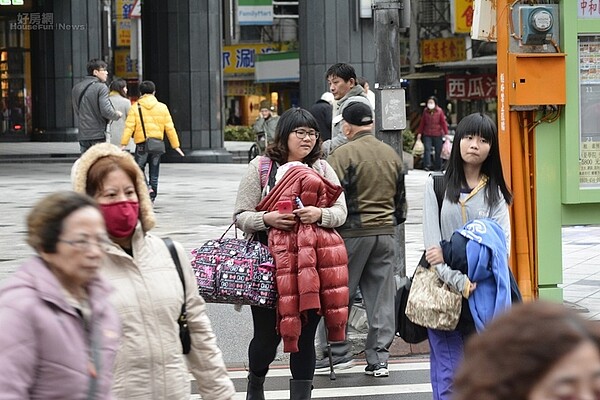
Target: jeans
{"points": [[153, 160], [437, 142], [84, 145]]}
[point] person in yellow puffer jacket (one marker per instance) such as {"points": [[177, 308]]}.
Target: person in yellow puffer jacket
{"points": [[157, 121]]}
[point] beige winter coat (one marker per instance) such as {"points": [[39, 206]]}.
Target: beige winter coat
{"points": [[148, 297]]}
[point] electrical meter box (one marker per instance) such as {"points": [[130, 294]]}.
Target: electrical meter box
{"points": [[537, 23], [535, 28]]}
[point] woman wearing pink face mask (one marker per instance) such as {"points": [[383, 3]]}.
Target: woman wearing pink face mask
{"points": [[149, 293]]}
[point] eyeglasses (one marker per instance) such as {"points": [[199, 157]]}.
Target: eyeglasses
{"points": [[103, 243], [301, 133]]}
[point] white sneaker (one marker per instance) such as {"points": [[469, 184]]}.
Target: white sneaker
{"points": [[377, 370]]}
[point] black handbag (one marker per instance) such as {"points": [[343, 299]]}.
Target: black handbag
{"points": [[405, 328], [152, 145], [184, 329]]}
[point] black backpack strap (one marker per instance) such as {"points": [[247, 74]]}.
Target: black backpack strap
{"points": [[145, 138], [175, 256], [439, 188], [82, 93]]}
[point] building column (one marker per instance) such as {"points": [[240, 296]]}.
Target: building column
{"points": [[182, 55], [59, 59], [331, 32]]}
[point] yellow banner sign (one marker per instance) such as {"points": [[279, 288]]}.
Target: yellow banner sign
{"points": [[125, 67], [240, 59], [123, 23], [463, 16], [123, 28], [443, 49]]}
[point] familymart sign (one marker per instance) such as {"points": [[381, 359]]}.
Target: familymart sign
{"points": [[255, 12]]}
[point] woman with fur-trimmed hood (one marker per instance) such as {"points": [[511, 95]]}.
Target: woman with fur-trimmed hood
{"points": [[149, 293]]}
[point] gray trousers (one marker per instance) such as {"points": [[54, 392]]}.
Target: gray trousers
{"points": [[370, 266]]}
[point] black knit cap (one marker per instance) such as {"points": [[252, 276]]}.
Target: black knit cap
{"points": [[358, 114]]}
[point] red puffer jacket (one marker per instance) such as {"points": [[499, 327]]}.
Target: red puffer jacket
{"points": [[312, 263]]}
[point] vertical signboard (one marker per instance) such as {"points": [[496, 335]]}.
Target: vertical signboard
{"points": [[589, 111], [255, 12], [462, 16], [123, 23]]}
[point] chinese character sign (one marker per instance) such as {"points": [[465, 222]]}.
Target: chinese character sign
{"points": [[443, 49], [240, 59], [588, 8], [462, 18], [471, 87], [123, 24], [125, 67]]}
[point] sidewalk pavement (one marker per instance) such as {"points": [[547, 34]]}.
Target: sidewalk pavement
{"points": [[193, 207], [69, 151]]}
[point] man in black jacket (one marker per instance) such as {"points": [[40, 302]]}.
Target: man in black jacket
{"points": [[322, 111]]}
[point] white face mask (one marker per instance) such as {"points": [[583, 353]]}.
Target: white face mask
{"points": [[431, 106]]}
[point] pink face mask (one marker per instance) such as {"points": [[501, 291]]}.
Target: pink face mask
{"points": [[121, 217]]}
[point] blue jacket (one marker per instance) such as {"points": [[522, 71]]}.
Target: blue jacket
{"points": [[487, 260]]}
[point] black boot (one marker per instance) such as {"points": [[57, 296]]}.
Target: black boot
{"points": [[255, 390], [300, 389]]}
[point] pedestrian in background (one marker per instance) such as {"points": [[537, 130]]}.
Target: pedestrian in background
{"points": [[322, 110], [432, 129], [266, 122], [296, 141], [343, 84], [157, 121], [120, 101], [362, 81], [148, 290], [474, 187], [92, 107], [536, 351], [375, 207], [59, 332]]}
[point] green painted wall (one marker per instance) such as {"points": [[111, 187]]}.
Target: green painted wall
{"points": [[559, 199]]}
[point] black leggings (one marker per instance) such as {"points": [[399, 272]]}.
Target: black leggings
{"points": [[263, 346]]}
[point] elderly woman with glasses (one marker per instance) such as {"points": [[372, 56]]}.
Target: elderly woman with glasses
{"points": [[59, 333], [292, 200]]}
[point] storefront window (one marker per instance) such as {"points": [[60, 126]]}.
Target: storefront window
{"points": [[15, 81]]}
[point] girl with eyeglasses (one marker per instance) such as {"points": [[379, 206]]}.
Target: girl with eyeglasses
{"points": [[292, 237]]}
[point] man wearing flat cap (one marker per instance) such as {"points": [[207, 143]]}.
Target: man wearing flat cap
{"points": [[371, 173], [266, 122]]}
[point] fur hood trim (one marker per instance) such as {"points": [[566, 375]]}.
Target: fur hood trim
{"points": [[89, 158]]}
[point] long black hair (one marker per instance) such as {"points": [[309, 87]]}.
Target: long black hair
{"points": [[477, 124], [291, 119]]}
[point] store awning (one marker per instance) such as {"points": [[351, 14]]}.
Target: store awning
{"points": [[423, 75], [477, 62], [277, 67]]}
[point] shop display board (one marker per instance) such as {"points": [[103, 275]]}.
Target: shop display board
{"points": [[589, 106]]}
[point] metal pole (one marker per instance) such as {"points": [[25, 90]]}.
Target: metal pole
{"points": [[387, 25]]}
